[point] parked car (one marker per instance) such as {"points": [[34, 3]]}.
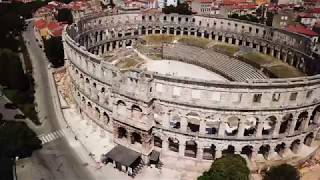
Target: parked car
{"points": [[19, 116], [10, 106]]}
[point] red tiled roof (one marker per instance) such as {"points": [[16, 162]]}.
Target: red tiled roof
{"points": [[53, 25], [315, 11], [57, 32], [40, 24], [301, 30], [245, 6], [305, 15]]}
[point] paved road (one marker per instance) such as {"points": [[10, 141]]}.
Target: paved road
{"points": [[56, 160]]}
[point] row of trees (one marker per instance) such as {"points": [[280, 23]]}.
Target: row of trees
{"points": [[181, 8], [234, 167], [53, 49], [11, 72], [17, 140]]}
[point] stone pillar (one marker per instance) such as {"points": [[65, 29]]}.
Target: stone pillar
{"points": [[218, 153], [183, 124], [305, 122], [230, 40], [237, 42], [221, 132], [124, 44], [293, 124], [259, 129], [175, 32], [189, 32], [199, 152], [166, 120], [216, 38], [202, 129], [181, 148], [202, 34], [254, 154], [165, 145], [117, 44], [210, 36], [223, 39], [240, 129], [272, 52], [276, 129], [278, 55], [264, 49]]}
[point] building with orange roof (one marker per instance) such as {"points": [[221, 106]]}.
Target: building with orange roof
{"points": [[300, 29]]}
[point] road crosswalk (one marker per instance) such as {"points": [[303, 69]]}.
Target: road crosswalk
{"points": [[46, 138]]}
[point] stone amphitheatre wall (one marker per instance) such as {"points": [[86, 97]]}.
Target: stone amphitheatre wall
{"points": [[188, 117]]}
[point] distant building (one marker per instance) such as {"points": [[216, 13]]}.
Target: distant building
{"points": [[202, 6], [307, 19], [164, 3], [300, 29], [282, 19]]}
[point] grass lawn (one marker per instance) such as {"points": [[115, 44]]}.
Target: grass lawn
{"points": [[285, 71], [273, 65], [158, 39], [259, 58], [194, 41], [228, 49], [127, 63]]}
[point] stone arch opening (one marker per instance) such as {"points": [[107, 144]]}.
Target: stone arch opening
{"points": [[309, 139], [209, 153], [136, 112], [247, 150], [280, 149], [232, 126], [106, 118], [175, 122], [264, 150], [173, 144], [295, 145], [212, 126], [251, 126], [97, 113], [135, 138], [121, 107], [230, 150], [315, 116], [89, 105], [191, 149], [122, 133], [286, 123], [302, 118], [269, 126], [193, 120], [157, 141]]}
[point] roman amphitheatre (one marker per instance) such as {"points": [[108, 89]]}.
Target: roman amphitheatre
{"points": [[168, 87]]}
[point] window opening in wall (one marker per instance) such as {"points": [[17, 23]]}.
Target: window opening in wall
{"points": [[257, 98], [293, 96], [309, 94], [276, 97], [257, 30], [165, 18], [250, 29], [172, 19]]}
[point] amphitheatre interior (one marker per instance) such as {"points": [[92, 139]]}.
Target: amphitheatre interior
{"points": [[195, 87]]}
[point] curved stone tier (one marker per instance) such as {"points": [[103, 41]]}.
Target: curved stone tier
{"points": [[261, 118]]}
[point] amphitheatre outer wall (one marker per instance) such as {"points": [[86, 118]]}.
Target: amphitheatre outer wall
{"points": [[260, 118]]}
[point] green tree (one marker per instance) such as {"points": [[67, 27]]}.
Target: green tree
{"points": [[65, 15], [17, 139], [11, 72], [54, 51], [181, 8], [282, 172], [229, 167]]}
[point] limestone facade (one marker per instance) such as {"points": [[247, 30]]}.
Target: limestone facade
{"points": [[192, 118]]}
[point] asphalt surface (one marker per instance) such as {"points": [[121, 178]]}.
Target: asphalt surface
{"points": [[56, 160]]}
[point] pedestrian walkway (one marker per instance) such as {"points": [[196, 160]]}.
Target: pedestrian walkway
{"points": [[46, 138]]}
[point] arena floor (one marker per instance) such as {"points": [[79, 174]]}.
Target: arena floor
{"points": [[181, 69]]}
